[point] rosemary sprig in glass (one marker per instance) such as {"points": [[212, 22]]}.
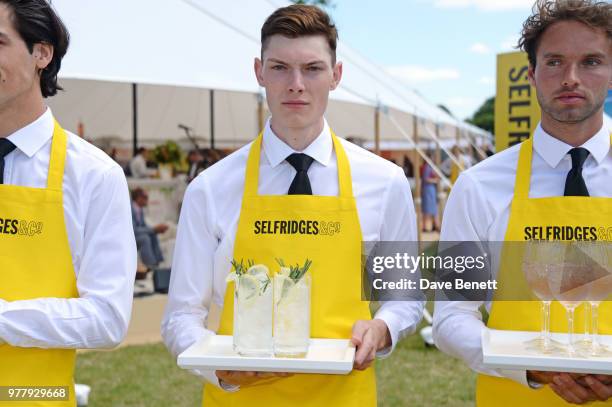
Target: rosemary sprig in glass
{"points": [[240, 268], [296, 272]]}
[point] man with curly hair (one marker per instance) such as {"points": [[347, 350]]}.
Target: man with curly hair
{"points": [[558, 179]]}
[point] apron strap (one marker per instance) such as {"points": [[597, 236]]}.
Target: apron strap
{"points": [[345, 182], [57, 159], [251, 181], [523, 170]]}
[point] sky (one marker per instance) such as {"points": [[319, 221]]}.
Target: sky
{"points": [[445, 49]]}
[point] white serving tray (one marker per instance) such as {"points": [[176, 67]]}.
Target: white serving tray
{"points": [[215, 352], [505, 350]]}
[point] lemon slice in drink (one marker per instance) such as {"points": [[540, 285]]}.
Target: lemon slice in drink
{"points": [[261, 273], [258, 270], [231, 276], [284, 271], [248, 287], [284, 284]]}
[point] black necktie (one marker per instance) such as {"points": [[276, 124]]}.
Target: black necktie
{"points": [[5, 148], [300, 184], [574, 183]]}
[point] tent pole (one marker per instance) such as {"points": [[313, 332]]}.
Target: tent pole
{"points": [[377, 130], [212, 119], [458, 136], [438, 161], [417, 176], [134, 119]]}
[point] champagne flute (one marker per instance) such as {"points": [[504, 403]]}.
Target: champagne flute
{"points": [[567, 283], [535, 266], [600, 288], [585, 342]]}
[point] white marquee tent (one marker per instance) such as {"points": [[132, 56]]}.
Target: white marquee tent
{"points": [[186, 54]]}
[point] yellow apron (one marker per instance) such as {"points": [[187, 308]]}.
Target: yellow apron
{"points": [[336, 285], [572, 211], [35, 262]]}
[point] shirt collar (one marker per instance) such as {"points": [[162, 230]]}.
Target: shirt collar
{"points": [[277, 150], [553, 150], [32, 137]]}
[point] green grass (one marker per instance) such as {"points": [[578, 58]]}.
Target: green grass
{"points": [[147, 376], [417, 376], [136, 376]]}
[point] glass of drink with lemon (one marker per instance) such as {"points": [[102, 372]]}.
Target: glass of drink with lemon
{"points": [[252, 309], [292, 310]]}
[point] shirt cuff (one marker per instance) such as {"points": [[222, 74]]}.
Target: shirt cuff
{"points": [[211, 378], [519, 376], [2, 306], [230, 388], [393, 325]]}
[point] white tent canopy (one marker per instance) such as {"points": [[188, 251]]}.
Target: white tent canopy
{"points": [[180, 50]]}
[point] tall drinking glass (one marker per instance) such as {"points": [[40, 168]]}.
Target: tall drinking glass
{"points": [[600, 288], [585, 343], [253, 312], [292, 312]]}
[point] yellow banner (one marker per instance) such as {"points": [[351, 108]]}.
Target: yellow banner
{"points": [[516, 105]]}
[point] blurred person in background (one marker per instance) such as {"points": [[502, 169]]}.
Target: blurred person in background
{"points": [[197, 164], [147, 240], [138, 165], [429, 197], [451, 168]]}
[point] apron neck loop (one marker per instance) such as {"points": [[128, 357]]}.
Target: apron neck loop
{"points": [[251, 181], [57, 158]]}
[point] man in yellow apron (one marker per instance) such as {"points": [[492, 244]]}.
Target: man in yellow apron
{"points": [[296, 170], [67, 252], [557, 180]]}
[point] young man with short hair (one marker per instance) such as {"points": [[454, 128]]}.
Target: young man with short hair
{"points": [[561, 176], [67, 250], [299, 170]]}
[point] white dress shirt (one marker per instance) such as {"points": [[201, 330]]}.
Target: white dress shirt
{"points": [[478, 210], [209, 218], [99, 225], [138, 167]]}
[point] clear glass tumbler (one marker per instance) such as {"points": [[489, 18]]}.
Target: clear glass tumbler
{"points": [[253, 301], [291, 315]]}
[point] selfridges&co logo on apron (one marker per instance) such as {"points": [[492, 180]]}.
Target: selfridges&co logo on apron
{"points": [[20, 227], [567, 233], [296, 227]]}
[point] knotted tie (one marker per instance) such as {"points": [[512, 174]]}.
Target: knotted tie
{"points": [[300, 184], [5, 148], [574, 183]]}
